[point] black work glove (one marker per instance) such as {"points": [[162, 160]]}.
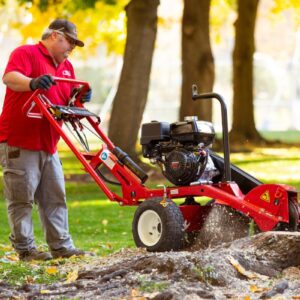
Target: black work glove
{"points": [[87, 96], [43, 82]]}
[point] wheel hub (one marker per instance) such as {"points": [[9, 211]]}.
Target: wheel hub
{"points": [[149, 227]]}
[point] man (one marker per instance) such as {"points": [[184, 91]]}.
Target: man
{"points": [[32, 171]]}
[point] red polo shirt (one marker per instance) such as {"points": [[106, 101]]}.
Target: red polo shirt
{"points": [[16, 128]]}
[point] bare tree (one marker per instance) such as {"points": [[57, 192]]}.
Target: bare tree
{"points": [[197, 58], [131, 96]]}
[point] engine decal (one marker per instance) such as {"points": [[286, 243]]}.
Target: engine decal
{"points": [[104, 156], [175, 165], [265, 196]]}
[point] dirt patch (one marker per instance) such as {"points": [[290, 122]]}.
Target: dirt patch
{"points": [[249, 267]]}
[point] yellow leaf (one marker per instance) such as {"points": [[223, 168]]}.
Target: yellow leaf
{"points": [[243, 271], [72, 276], [104, 222], [255, 289], [51, 270], [5, 247], [247, 297], [134, 293], [12, 257], [45, 292]]}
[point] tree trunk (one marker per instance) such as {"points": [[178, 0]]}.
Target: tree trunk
{"points": [[243, 127], [197, 59], [131, 97]]}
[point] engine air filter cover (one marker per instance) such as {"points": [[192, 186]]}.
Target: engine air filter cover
{"points": [[193, 131], [154, 132]]}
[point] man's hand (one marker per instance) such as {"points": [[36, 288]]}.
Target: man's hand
{"points": [[87, 96], [43, 82]]}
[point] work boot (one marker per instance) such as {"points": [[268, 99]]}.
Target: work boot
{"points": [[66, 253], [34, 254]]}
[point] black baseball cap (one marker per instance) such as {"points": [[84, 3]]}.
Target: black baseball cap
{"points": [[68, 28]]}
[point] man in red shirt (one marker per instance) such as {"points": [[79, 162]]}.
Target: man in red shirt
{"points": [[32, 170]]}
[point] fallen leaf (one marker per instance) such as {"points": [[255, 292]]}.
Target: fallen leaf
{"points": [[72, 276], [296, 297], [104, 222], [6, 247], [45, 292], [255, 289], [243, 271], [135, 295], [51, 270], [12, 257], [29, 279], [247, 297]]}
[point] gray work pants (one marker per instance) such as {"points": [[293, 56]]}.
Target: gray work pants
{"points": [[35, 176]]}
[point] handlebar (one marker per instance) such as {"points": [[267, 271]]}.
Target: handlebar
{"points": [[85, 87], [70, 80], [225, 135]]}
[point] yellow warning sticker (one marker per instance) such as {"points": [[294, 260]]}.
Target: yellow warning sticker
{"points": [[265, 196]]}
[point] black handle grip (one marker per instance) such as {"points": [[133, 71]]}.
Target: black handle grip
{"points": [[130, 164]]}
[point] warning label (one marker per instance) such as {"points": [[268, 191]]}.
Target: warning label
{"points": [[265, 196]]}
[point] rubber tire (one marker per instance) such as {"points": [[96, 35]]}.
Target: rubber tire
{"points": [[172, 229], [293, 219]]}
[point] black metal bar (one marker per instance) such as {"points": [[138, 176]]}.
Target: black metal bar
{"points": [[130, 164], [225, 134]]}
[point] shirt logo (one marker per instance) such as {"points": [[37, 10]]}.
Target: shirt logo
{"points": [[66, 73]]}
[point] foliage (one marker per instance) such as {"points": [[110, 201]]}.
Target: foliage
{"points": [[221, 13], [97, 21], [292, 6]]}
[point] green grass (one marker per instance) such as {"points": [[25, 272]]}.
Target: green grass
{"points": [[104, 227], [96, 223], [21, 272], [291, 136]]}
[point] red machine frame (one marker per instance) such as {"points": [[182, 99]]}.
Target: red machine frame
{"points": [[266, 204]]}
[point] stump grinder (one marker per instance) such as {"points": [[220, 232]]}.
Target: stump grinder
{"points": [[167, 216]]}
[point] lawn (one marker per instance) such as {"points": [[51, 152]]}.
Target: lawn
{"points": [[104, 227]]}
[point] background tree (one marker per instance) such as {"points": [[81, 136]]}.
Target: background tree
{"points": [[243, 126], [197, 58], [131, 96]]}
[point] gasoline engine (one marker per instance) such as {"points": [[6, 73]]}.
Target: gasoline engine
{"points": [[180, 149]]}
